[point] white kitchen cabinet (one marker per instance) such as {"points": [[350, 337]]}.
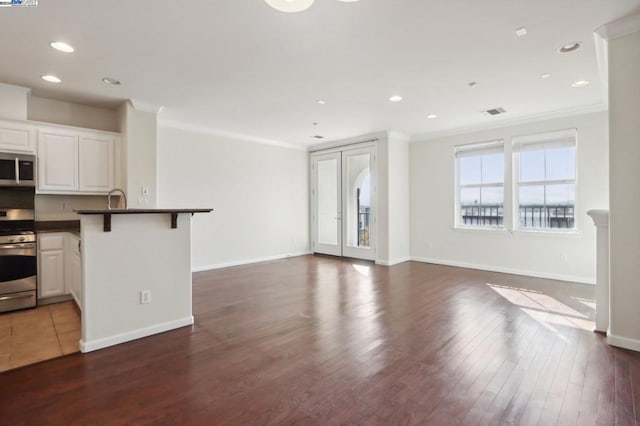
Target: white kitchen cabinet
{"points": [[73, 268], [59, 266], [51, 274], [96, 168], [57, 160], [17, 137], [74, 161]]}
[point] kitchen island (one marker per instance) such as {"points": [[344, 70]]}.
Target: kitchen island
{"points": [[136, 273]]}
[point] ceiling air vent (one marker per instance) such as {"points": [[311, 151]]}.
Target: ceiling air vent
{"points": [[495, 111]]}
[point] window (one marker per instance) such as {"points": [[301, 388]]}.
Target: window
{"points": [[545, 173], [480, 185]]}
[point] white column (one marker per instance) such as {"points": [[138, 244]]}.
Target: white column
{"points": [[601, 220]]}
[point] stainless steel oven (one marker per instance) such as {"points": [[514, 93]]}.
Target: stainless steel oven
{"points": [[17, 170], [18, 261], [18, 272]]}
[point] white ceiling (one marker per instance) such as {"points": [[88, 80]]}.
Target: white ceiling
{"points": [[239, 66]]}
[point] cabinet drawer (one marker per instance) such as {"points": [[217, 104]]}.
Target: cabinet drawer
{"points": [[51, 242]]}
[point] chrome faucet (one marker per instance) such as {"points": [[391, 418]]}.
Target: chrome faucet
{"points": [[114, 191]]}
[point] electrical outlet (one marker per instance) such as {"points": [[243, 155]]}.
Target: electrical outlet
{"points": [[145, 297]]}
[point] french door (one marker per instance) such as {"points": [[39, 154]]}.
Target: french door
{"points": [[343, 202]]}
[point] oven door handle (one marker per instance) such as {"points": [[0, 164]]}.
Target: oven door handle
{"points": [[19, 296], [18, 246], [17, 170]]}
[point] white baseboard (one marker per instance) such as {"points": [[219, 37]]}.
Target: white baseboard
{"points": [[116, 339], [513, 271], [247, 261], [393, 261], [623, 342]]}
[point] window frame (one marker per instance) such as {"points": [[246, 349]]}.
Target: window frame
{"points": [[543, 138], [479, 146]]}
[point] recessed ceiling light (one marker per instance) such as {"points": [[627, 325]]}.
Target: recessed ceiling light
{"points": [[580, 83], [51, 78], [571, 47], [521, 32], [432, 116], [321, 102], [395, 98], [111, 81], [318, 137], [545, 75], [290, 6], [473, 83], [61, 46]]}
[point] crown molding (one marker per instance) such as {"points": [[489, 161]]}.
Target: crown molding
{"points": [[145, 106], [228, 135], [571, 112]]}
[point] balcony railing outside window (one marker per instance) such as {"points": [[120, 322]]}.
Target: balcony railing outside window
{"points": [[363, 226], [531, 216]]}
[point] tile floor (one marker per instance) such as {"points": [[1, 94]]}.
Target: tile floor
{"points": [[35, 335]]}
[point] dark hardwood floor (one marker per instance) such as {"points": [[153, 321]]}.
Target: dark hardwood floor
{"points": [[315, 340]]}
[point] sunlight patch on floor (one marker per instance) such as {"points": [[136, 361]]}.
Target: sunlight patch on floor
{"points": [[548, 311], [362, 269]]}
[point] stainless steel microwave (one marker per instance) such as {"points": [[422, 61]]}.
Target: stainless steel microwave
{"points": [[17, 170]]}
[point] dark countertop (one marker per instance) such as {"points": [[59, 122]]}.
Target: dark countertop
{"points": [[142, 211], [48, 226], [107, 213]]}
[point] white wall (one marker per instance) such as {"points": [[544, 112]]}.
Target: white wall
{"points": [[13, 102], [398, 202], [71, 114], [570, 257], [139, 131], [624, 104], [259, 193]]}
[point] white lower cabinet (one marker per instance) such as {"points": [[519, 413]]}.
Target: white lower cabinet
{"points": [[59, 266], [51, 277]]}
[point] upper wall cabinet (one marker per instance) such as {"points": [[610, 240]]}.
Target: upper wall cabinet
{"points": [[17, 137], [75, 162], [96, 167], [57, 160]]}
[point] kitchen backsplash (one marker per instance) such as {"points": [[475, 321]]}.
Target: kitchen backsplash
{"points": [[61, 207]]}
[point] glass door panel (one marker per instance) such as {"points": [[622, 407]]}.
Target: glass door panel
{"points": [[327, 202], [357, 203]]}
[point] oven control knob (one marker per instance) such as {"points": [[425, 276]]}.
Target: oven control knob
{"points": [[21, 239]]}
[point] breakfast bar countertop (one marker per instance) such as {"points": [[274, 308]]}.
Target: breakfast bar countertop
{"points": [[141, 211]]}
